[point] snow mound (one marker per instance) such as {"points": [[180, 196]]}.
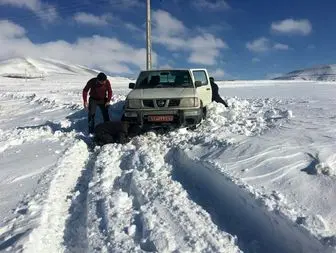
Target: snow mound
{"points": [[323, 163], [328, 167], [245, 117], [39, 68], [319, 73]]}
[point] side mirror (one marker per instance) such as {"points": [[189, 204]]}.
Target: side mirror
{"points": [[198, 84], [131, 85]]}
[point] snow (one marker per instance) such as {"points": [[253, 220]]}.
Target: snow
{"points": [[318, 73], [37, 68], [256, 177]]}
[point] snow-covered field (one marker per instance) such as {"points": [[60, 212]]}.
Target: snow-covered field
{"points": [[257, 177]]}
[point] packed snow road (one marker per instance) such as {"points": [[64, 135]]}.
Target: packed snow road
{"points": [[247, 180]]}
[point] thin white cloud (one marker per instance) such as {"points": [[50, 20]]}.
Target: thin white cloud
{"points": [[263, 44], [165, 24], [217, 5], [90, 19], [109, 54], [134, 28], [205, 49], [206, 41], [203, 57], [218, 73], [165, 66], [168, 31], [279, 46], [43, 10], [10, 30], [255, 59], [291, 26], [259, 45]]}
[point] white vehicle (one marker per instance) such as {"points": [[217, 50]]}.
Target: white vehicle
{"points": [[175, 97]]}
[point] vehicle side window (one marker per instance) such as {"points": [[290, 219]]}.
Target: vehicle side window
{"points": [[200, 75]]}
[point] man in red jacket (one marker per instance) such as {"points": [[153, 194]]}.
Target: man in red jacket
{"points": [[100, 95]]}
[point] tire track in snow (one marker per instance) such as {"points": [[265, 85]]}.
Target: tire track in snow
{"points": [[234, 208], [27, 214], [49, 235], [168, 220], [111, 211], [75, 233], [135, 206]]}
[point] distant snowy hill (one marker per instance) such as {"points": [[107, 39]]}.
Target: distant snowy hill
{"points": [[319, 73], [36, 68]]}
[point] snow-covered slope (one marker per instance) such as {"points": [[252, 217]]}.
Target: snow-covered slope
{"points": [[319, 73], [36, 68]]}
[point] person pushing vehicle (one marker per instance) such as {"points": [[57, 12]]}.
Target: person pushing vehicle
{"points": [[100, 95], [215, 95]]}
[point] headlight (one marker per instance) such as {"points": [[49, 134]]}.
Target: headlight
{"points": [[133, 103], [189, 102]]}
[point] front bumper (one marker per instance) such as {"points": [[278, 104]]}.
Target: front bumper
{"points": [[185, 117]]}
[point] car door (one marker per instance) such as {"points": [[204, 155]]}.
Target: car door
{"points": [[204, 91]]}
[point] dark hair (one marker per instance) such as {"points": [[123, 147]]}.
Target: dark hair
{"points": [[101, 77], [212, 79]]}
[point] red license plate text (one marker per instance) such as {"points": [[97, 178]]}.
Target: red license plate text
{"points": [[160, 118]]}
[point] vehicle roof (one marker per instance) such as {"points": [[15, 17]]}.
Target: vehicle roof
{"points": [[181, 69]]}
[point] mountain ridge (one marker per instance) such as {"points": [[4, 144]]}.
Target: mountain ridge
{"points": [[325, 72], [26, 67]]}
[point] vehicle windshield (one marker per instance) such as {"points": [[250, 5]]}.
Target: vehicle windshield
{"points": [[164, 79]]}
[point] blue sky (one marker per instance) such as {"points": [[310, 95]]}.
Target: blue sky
{"points": [[233, 39]]}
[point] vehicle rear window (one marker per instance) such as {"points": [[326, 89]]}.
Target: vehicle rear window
{"points": [[164, 79]]}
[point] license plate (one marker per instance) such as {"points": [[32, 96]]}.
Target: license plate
{"points": [[160, 118]]}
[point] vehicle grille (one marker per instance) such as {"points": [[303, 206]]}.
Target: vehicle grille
{"points": [[150, 103], [174, 102]]}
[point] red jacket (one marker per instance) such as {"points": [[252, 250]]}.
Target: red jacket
{"points": [[98, 91]]}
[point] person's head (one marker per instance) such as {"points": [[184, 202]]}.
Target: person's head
{"points": [[212, 79], [101, 78]]}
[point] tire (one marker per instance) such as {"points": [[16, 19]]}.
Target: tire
{"points": [[192, 128], [204, 115]]}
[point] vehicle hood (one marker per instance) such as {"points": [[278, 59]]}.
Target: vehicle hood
{"points": [[161, 93]]}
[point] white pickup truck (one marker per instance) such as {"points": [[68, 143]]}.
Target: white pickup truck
{"points": [[168, 98]]}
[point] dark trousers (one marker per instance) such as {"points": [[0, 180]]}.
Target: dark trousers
{"points": [[92, 112], [218, 99]]}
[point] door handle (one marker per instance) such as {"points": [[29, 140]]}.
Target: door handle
{"points": [[208, 89]]}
